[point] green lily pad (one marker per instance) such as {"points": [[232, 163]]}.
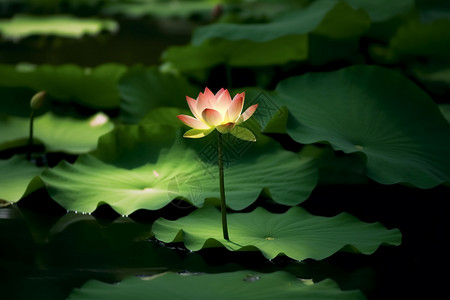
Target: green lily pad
{"points": [[93, 87], [57, 133], [295, 233], [143, 89], [16, 178], [21, 26], [242, 285], [178, 172], [374, 111]]}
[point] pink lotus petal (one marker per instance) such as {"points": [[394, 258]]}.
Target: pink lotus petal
{"points": [[219, 93], [197, 133], [212, 117], [235, 108], [247, 114], [205, 100], [223, 102], [192, 103], [192, 122]]}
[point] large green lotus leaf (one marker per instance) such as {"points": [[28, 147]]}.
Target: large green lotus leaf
{"points": [[16, 178], [237, 53], [266, 44], [143, 89], [93, 87], [57, 133], [329, 17], [239, 285], [21, 26], [130, 146], [179, 172], [295, 233], [374, 111]]}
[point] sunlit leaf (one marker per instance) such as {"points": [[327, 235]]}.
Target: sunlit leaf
{"points": [[179, 172], [296, 233], [56, 132], [159, 8], [240, 285], [93, 87], [21, 26], [16, 175], [376, 112]]}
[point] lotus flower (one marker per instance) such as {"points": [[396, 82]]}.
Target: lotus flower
{"points": [[218, 112]]}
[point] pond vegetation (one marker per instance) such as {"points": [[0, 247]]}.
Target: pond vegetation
{"points": [[335, 184]]}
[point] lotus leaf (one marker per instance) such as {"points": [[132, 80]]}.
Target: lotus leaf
{"points": [[374, 111], [240, 285], [296, 233]]}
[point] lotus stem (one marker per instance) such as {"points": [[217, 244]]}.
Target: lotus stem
{"points": [[223, 205], [30, 136], [36, 103]]}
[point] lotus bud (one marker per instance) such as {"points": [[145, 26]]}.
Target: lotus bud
{"points": [[37, 100]]}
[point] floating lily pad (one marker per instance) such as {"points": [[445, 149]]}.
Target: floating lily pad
{"points": [[179, 172], [93, 87], [16, 176], [240, 285], [296, 233], [21, 26], [57, 133], [374, 111]]}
